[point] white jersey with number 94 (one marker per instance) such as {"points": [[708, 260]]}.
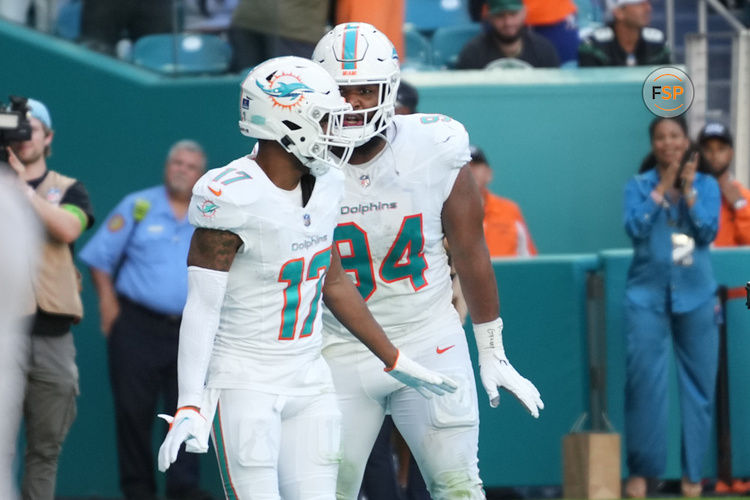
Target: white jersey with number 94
{"points": [[390, 233]]}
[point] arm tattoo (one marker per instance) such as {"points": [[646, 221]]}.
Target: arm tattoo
{"points": [[213, 249]]}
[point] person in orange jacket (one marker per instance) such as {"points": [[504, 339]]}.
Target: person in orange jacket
{"points": [[716, 145], [556, 21], [504, 226]]}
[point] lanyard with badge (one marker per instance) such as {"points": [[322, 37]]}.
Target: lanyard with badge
{"points": [[683, 245]]}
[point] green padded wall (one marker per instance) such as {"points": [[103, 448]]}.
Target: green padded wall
{"points": [[732, 269], [543, 305], [561, 143]]}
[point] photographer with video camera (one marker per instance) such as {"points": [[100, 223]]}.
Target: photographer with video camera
{"points": [[62, 206]]}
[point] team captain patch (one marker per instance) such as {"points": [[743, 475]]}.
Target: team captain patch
{"points": [[116, 222]]}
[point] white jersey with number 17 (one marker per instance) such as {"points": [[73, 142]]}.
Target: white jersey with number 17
{"points": [[269, 333]]}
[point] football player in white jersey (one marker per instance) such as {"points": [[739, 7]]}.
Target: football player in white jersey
{"points": [[406, 190], [260, 262]]}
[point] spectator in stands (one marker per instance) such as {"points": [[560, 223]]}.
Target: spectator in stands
{"points": [[407, 99], [627, 40], [62, 205], [208, 16], [505, 229], [45, 12], [261, 30], [105, 22], [507, 38], [671, 215], [138, 262], [716, 145], [386, 15], [555, 21]]}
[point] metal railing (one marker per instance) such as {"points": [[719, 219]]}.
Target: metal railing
{"points": [[696, 59]]}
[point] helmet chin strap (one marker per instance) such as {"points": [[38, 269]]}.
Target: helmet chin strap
{"points": [[317, 167]]}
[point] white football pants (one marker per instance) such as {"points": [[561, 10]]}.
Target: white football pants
{"points": [[442, 432], [272, 446]]}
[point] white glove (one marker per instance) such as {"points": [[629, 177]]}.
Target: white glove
{"points": [[496, 371], [186, 424], [416, 376]]}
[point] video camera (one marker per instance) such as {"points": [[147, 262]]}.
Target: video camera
{"points": [[14, 124]]}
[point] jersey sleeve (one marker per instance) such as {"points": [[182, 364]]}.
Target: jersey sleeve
{"points": [[589, 54], [77, 196], [448, 142], [221, 204], [470, 56], [455, 141]]}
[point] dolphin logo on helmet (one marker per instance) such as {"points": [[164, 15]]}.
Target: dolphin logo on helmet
{"points": [[296, 103], [285, 89]]}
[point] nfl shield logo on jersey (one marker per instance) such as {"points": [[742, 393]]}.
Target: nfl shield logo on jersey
{"points": [[364, 180], [306, 219]]}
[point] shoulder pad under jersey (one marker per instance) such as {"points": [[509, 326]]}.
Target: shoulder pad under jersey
{"points": [[439, 134]]}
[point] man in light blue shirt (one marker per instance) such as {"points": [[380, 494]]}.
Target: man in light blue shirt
{"points": [[138, 262]]}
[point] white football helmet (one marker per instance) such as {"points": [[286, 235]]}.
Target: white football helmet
{"points": [[293, 101], [359, 54]]}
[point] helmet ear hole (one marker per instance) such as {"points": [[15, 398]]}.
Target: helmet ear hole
{"points": [[291, 125]]}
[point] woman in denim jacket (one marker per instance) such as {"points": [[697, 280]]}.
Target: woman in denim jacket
{"points": [[671, 215]]}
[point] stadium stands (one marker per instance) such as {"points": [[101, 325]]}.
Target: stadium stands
{"points": [[448, 41], [183, 53], [428, 15], [68, 24], [418, 49]]}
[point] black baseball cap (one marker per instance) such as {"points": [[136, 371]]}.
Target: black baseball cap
{"points": [[477, 154], [715, 130], [407, 96]]}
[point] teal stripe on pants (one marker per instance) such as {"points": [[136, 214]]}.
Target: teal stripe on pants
{"points": [[221, 456]]}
